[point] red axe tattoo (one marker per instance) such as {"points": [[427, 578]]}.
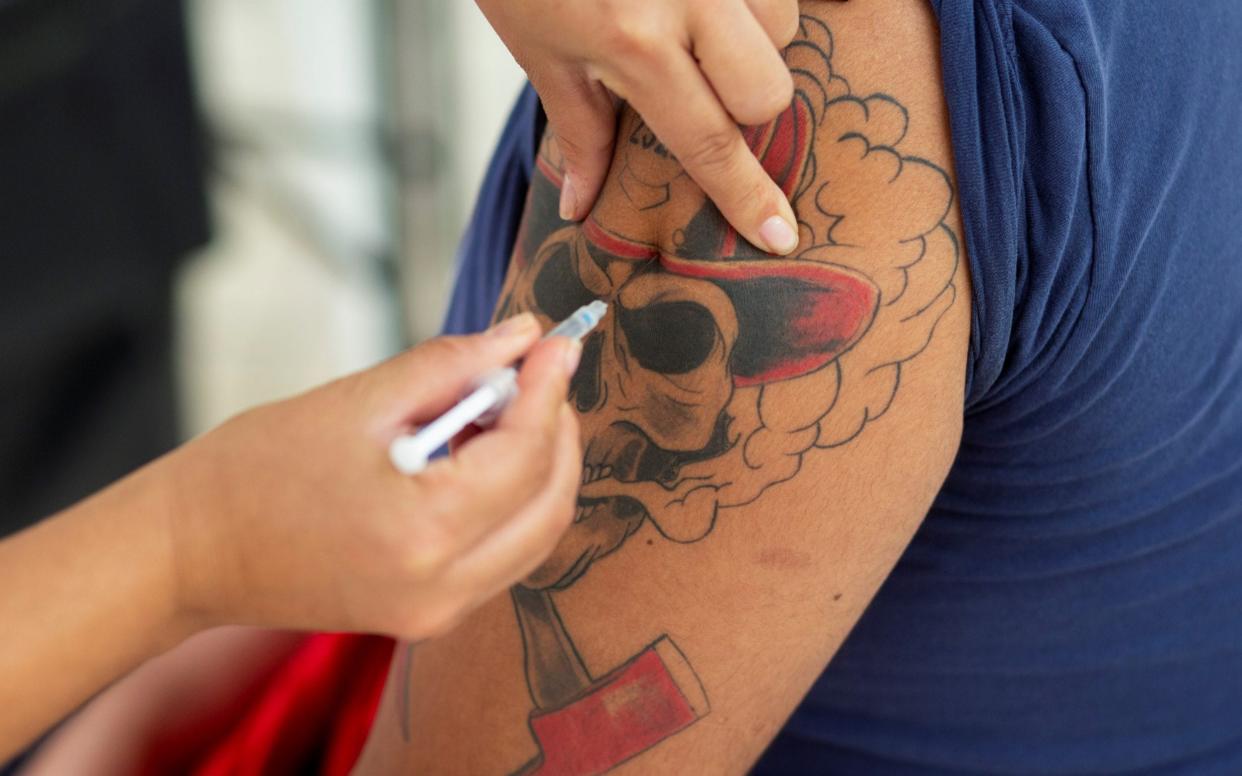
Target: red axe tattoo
{"points": [[584, 725]]}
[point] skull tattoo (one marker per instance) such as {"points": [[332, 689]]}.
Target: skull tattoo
{"points": [[719, 367]]}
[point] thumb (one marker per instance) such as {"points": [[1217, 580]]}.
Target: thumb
{"points": [[583, 118], [428, 379]]}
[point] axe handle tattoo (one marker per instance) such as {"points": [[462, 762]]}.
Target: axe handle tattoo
{"points": [[555, 671]]}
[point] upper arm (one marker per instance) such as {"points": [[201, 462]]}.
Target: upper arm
{"points": [[762, 436]]}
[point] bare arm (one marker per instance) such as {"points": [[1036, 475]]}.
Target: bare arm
{"points": [[291, 516], [762, 436], [100, 574]]}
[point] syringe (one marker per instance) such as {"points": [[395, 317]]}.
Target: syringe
{"points": [[410, 453]]}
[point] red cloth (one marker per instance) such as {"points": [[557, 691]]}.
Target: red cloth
{"points": [[312, 715]]}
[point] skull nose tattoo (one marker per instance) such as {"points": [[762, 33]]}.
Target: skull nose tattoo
{"points": [[718, 367]]}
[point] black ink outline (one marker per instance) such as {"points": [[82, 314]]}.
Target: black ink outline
{"points": [[705, 229]]}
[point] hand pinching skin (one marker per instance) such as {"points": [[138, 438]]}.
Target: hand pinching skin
{"points": [[693, 70]]}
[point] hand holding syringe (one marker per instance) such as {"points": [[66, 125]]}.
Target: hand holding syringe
{"points": [[410, 453], [291, 493]]}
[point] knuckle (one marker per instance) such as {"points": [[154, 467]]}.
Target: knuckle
{"points": [[580, 146], [447, 347], [585, 143], [451, 352], [632, 37], [568, 140], [757, 193], [713, 152]]}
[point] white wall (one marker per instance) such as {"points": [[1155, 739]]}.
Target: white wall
{"points": [[490, 81], [455, 86], [290, 293]]}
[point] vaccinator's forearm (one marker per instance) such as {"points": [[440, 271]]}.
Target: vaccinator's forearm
{"points": [[89, 594]]}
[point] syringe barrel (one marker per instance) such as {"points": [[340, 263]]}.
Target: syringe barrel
{"points": [[581, 322]]}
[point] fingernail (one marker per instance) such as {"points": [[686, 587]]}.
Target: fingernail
{"points": [[569, 199], [778, 236], [573, 353], [515, 326]]}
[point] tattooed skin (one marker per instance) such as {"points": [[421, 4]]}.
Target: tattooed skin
{"points": [[719, 368]]}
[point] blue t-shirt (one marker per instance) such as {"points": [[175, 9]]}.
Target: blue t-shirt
{"points": [[1073, 601]]}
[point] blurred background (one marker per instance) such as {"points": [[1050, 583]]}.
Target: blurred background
{"points": [[209, 204], [348, 140]]}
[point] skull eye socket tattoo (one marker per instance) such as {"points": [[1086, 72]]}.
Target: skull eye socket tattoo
{"points": [[646, 330], [718, 367]]}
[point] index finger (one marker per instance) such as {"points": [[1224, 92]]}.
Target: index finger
{"points": [[741, 63], [494, 474], [677, 103]]}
